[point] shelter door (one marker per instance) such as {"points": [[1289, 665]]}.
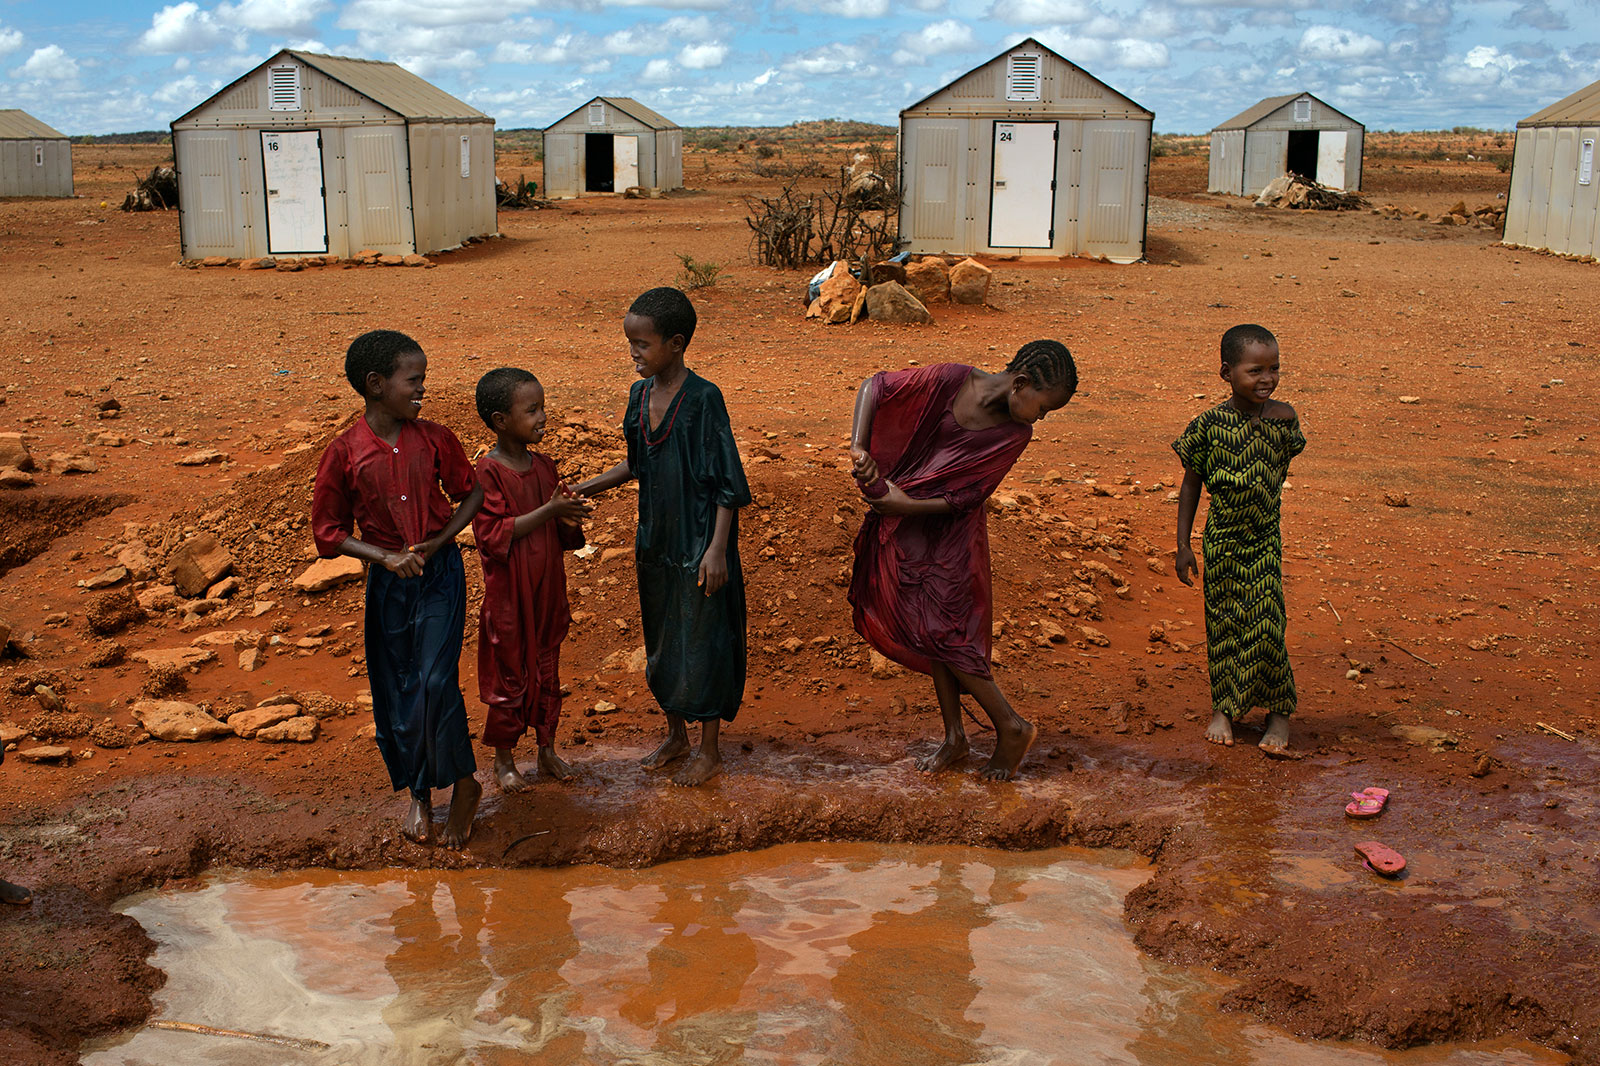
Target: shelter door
{"points": [[1330, 158], [291, 169], [1022, 200], [624, 162]]}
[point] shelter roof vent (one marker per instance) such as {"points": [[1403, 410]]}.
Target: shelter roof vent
{"points": [[1023, 76], [283, 88], [1302, 110], [597, 113]]}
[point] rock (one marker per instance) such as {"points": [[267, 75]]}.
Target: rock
{"points": [[969, 282], [928, 280], [265, 262], [12, 478], [68, 463], [1095, 637], [110, 440], [261, 607], [815, 308], [175, 720], [51, 753], [883, 668], [251, 659], [284, 699], [1425, 736], [838, 295], [247, 724], [110, 403], [325, 574], [302, 730], [136, 558], [113, 612], [858, 309], [414, 260], [106, 578], [1396, 499], [637, 661], [223, 589], [1158, 633], [14, 451], [792, 645], [882, 272], [1411, 399], [608, 554], [48, 699], [204, 457], [175, 658], [198, 563], [890, 302], [158, 598], [1050, 632], [5, 634], [231, 638], [392, 260], [214, 261], [10, 734]]}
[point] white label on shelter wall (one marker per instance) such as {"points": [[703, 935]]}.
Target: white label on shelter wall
{"points": [[1586, 161], [38, 154], [466, 157]]}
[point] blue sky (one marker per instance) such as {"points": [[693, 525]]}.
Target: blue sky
{"points": [[100, 66]]}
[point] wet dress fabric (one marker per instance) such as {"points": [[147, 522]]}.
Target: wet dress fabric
{"points": [[921, 589], [525, 614], [399, 495], [688, 466], [1243, 463]]}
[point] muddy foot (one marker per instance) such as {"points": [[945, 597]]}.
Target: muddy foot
{"points": [[1220, 731], [14, 894], [949, 753], [1276, 739], [553, 765], [418, 824], [506, 774], [1009, 747], [673, 748], [463, 809], [698, 770]]}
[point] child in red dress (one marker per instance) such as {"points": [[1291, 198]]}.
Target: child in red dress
{"points": [[527, 520]]}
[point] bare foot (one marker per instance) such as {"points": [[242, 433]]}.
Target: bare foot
{"points": [[418, 824], [1220, 731], [1276, 739], [16, 895], [950, 752], [1010, 746], [506, 774], [463, 809], [698, 770], [554, 765], [676, 746]]}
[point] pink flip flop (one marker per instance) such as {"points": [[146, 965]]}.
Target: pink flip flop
{"points": [[1380, 858], [1368, 803]]}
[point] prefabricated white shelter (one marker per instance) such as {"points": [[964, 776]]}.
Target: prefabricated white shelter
{"points": [[1026, 154], [314, 154], [1296, 134], [35, 160], [1554, 201], [611, 144]]}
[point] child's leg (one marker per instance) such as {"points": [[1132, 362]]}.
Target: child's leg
{"points": [[393, 677], [15, 895], [1220, 731], [675, 746], [1014, 735], [1276, 738], [418, 823], [439, 625], [955, 746], [547, 715], [707, 762]]}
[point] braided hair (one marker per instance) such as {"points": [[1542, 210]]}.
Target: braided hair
{"points": [[496, 389], [1237, 339], [1048, 365]]}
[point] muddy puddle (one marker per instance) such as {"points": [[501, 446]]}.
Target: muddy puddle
{"points": [[802, 954]]}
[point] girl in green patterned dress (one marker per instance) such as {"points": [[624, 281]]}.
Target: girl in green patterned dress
{"points": [[1240, 452]]}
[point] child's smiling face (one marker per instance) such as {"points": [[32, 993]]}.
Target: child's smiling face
{"points": [[524, 420], [400, 394], [652, 353], [1254, 376]]}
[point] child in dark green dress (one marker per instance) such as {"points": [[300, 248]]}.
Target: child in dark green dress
{"points": [[1240, 452], [691, 486]]}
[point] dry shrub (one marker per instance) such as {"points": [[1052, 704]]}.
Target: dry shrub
{"points": [[164, 680], [106, 653], [60, 725], [113, 612], [156, 191], [856, 218]]}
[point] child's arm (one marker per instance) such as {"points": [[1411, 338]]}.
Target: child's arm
{"points": [[714, 563], [605, 482], [864, 468], [1188, 503], [458, 521], [564, 505]]}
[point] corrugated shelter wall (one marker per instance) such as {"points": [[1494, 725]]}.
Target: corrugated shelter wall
{"points": [[1225, 170], [36, 167], [669, 160], [563, 165], [452, 182], [1550, 205], [966, 152], [1261, 135]]}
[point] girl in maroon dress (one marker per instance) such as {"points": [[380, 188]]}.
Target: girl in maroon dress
{"points": [[528, 519], [929, 445]]}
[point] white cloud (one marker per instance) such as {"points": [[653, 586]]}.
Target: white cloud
{"points": [[671, 5], [273, 16], [1484, 65], [636, 41], [182, 28], [1331, 42], [829, 59], [10, 41], [689, 28], [702, 56], [940, 38], [562, 49], [656, 72], [850, 9], [387, 16], [1126, 53], [1036, 11], [184, 92], [49, 63]]}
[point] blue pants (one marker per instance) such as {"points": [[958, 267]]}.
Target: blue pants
{"points": [[413, 637]]}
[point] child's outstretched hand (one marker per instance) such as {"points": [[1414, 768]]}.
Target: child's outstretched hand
{"points": [[566, 505], [408, 563], [1187, 567], [713, 571]]}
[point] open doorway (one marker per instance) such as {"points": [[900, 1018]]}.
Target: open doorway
{"points": [[599, 168], [1302, 154]]}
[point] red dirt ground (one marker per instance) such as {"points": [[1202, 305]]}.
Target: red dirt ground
{"points": [[1429, 365]]}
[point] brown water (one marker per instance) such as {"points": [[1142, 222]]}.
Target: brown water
{"points": [[866, 955]]}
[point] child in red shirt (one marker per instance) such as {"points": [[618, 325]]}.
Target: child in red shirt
{"points": [[385, 474], [527, 520]]}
